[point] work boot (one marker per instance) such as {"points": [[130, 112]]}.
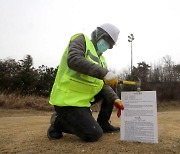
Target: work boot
{"points": [[53, 132], [108, 128]]}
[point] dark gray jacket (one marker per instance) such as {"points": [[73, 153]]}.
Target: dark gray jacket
{"points": [[76, 61]]}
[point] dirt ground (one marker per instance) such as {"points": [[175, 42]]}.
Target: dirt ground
{"points": [[24, 131]]}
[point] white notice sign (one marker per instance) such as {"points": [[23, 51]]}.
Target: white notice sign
{"points": [[139, 117]]}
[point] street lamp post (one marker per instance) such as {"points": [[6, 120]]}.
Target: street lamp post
{"points": [[130, 39]]}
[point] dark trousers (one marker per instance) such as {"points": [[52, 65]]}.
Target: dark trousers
{"points": [[79, 120]]}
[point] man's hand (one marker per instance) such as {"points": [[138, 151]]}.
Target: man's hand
{"points": [[118, 104], [111, 79]]}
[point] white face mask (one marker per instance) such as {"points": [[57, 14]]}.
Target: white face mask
{"points": [[102, 46]]}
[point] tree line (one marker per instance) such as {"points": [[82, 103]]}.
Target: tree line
{"points": [[22, 78], [164, 77]]}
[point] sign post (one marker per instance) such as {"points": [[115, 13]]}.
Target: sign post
{"points": [[139, 118]]}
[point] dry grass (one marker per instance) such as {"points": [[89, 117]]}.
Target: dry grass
{"points": [[14, 101], [28, 128], [24, 132], [168, 105]]}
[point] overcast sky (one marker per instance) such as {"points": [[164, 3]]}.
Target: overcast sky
{"points": [[42, 28]]}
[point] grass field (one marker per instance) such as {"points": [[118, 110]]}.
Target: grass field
{"points": [[24, 131], [24, 122]]}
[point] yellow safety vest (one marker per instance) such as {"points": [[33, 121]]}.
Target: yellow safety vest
{"points": [[75, 89]]}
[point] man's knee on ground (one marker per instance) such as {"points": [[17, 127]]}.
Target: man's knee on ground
{"points": [[92, 136]]}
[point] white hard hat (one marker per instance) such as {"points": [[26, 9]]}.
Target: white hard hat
{"points": [[111, 30]]}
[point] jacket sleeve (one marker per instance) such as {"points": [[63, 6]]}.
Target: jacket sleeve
{"points": [[109, 94], [76, 60]]}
